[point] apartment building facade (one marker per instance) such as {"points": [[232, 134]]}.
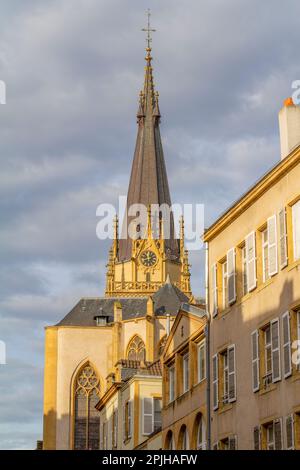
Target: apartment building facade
{"points": [[184, 418], [254, 302], [130, 409]]}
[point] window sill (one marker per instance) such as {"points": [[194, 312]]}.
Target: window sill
{"points": [[268, 389], [293, 265], [225, 408]]}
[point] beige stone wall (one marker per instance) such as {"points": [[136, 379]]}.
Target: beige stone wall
{"points": [[268, 301], [75, 347]]}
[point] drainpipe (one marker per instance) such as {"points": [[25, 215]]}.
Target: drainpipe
{"points": [[207, 336]]}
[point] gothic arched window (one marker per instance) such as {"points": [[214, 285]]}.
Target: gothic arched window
{"points": [[136, 350], [86, 417]]}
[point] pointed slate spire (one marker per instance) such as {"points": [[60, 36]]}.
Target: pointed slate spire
{"points": [[148, 181]]}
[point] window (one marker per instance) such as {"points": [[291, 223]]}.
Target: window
{"points": [[225, 284], [151, 415], [225, 378], [104, 436], [274, 435], [127, 421], [268, 356], [244, 270], [136, 349], [296, 229], [229, 385], [201, 439], [185, 372], [169, 443], [183, 439], [215, 382], [171, 384], [229, 443], [201, 361], [272, 353], [115, 429], [298, 335], [265, 254], [86, 417], [289, 432], [270, 437], [157, 402], [251, 261]]}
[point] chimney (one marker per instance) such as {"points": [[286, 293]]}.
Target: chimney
{"points": [[289, 127]]}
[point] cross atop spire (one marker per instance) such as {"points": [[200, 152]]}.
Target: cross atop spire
{"points": [[148, 30]]}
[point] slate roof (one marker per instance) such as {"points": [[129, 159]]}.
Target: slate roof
{"points": [[167, 300]]}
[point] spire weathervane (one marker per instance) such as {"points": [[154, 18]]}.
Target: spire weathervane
{"points": [[148, 30]]}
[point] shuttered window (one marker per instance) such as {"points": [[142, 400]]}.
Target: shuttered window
{"points": [[231, 374], [215, 382], [129, 424], [115, 429], [201, 361], [283, 238], [232, 443], [214, 290], [156, 414], [255, 361], [256, 437], [147, 415], [275, 343], [265, 255], [296, 229], [251, 261], [270, 436], [127, 421], [272, 245], [278, 434], [231, 276], [185, 371], [289, 432], [224, 285], [286, 334], [171, 383]]}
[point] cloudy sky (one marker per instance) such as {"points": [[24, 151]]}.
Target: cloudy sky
{"points": [[73, 70]]}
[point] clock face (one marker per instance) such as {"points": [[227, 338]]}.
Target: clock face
{"points": [[148, 258]]}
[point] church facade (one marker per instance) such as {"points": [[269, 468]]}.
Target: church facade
{"points": [[101, 359]]}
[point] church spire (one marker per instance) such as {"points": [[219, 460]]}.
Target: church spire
{"points": [[148, 181]]}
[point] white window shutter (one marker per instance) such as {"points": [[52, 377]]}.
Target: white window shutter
{"points": [[286, 334], [256, 438], [283, 238], [255, 360], [296, 229], [289, 432], [147, 415], [298, 334], [251, 260], [275, 345], [231, 276], [231, 374], [214, 289], [215, 382], [272, 245], [278, 434]]}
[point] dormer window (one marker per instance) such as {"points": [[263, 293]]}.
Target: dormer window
{"points": [[100, 320]]}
